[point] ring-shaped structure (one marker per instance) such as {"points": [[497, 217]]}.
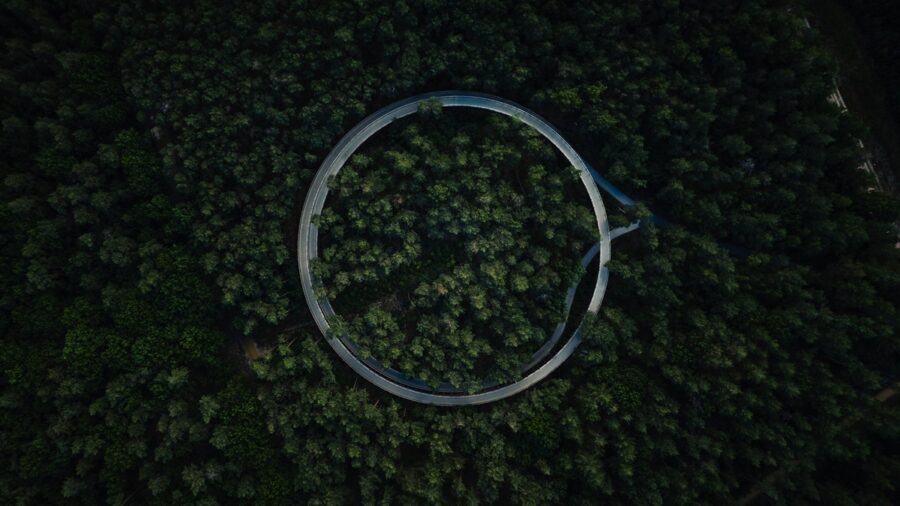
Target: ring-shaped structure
{"points": [[307, 249]]}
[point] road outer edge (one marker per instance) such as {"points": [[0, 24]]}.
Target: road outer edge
{"points": [[307, 240]]}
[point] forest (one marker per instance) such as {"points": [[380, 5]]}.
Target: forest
{"points": [[156, 159], [451, 243]]}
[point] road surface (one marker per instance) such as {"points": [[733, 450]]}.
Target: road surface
{"points": [[307, 249]]}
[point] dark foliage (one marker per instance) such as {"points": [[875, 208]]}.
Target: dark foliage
{"points": [[155, 157], [878, 21]]}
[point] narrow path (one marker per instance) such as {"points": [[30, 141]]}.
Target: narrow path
{"points": [[866, 165]]}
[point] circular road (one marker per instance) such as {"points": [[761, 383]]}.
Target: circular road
{"points": [[307, 249]]}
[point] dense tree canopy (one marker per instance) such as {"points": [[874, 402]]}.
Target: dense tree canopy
{"points": [[156, 156], [452, 240]]}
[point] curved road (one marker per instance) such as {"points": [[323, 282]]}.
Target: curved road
{"points": [[307, 245]]}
